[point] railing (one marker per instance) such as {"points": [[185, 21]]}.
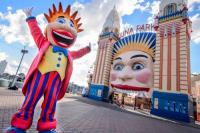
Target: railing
{"points": [[103, 34], [5, 83], [170, 16]]}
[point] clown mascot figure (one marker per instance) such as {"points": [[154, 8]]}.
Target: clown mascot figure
{"points": [[50, 71]]}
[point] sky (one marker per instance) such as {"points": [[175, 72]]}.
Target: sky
{"points": [[14, 33]]}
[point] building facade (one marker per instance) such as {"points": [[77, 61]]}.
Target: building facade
{"points": [[195, 83], [3, 65], [172, 59], [99, 86]]}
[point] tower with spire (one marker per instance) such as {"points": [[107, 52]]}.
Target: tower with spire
{"points": [[99, 86], [172, 59]]}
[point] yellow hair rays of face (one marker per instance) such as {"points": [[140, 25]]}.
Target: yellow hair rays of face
{"points": [[144, 42]]}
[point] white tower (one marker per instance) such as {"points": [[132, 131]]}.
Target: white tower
{"points": [[99, 87]]}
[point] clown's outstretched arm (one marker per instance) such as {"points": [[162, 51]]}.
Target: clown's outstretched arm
{"points": [[81, 52], [34, 28]]}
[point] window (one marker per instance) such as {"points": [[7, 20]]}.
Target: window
{"points": [[165, 32], [156, 103], [106, 29], [169, 9], [174, 29]]}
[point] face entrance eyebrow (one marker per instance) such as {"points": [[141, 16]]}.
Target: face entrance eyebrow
{"points": [[118, 58], [139, 55]]}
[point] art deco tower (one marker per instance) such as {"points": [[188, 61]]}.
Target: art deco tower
{"points": [[99, 87], [172, 59]]}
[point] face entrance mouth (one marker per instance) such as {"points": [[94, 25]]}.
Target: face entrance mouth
{"points": [[62, 38], [130, 88]]}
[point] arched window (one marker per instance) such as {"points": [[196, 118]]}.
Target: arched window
{"points": [[169, 9], [116, 30], [106, 29]]}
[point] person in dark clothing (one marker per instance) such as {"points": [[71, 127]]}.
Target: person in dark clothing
{"points": [[111, 97]]}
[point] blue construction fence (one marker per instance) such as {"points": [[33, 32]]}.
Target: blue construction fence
{"points": [[98, 92], [171, 105]]}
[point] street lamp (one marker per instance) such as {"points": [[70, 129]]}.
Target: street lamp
{"points": [[12, 85]]}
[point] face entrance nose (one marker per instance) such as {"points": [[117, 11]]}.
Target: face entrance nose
{"points": [[126, 78], [126, 74]]}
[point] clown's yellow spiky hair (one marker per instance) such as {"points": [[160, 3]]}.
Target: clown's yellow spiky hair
{"points": [[53, 15]]}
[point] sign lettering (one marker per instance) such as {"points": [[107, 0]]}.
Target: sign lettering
{"points": [[145, 27], [138, 28], [175, 107]]}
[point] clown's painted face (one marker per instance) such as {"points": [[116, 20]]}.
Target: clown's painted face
{"points": [[133, 71], [61, 32]]}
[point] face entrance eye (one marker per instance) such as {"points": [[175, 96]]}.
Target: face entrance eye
{"points": [[71, 24], [118, 67], [61, 20], [137, 66]]}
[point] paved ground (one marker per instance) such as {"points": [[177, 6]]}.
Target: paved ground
{"points": [[82, 115]]}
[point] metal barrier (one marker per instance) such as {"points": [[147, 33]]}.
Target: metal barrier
{"points": [[171, 105], [5, 83]]}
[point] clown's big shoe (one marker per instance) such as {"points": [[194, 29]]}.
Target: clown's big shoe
{"points": [[51, 131], [14, 130]]}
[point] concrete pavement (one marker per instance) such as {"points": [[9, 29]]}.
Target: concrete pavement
{"points": [[82, 115]]}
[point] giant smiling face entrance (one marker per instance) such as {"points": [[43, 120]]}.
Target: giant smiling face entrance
{"points": [[131, 75], [132, 71]]}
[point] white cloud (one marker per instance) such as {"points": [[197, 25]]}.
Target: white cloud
{"points": [[195, 73], [191, 2], [10, 69], [24, 68], [153, 10], [12, 65], [9, 8], [126, 26], [127, 7], [17, 29], [3, 56], [41, 21], [196, 29], [193, 5]]}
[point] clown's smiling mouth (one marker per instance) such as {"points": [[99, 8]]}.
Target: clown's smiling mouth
{"points": [[62, 38]]}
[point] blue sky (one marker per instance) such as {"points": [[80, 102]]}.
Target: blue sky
{"points": [[93, 12]]}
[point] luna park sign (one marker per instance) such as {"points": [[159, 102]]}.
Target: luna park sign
{"points": [[138, 28]]}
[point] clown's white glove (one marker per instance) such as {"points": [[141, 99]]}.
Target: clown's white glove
{"points": [[28, 12]]}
